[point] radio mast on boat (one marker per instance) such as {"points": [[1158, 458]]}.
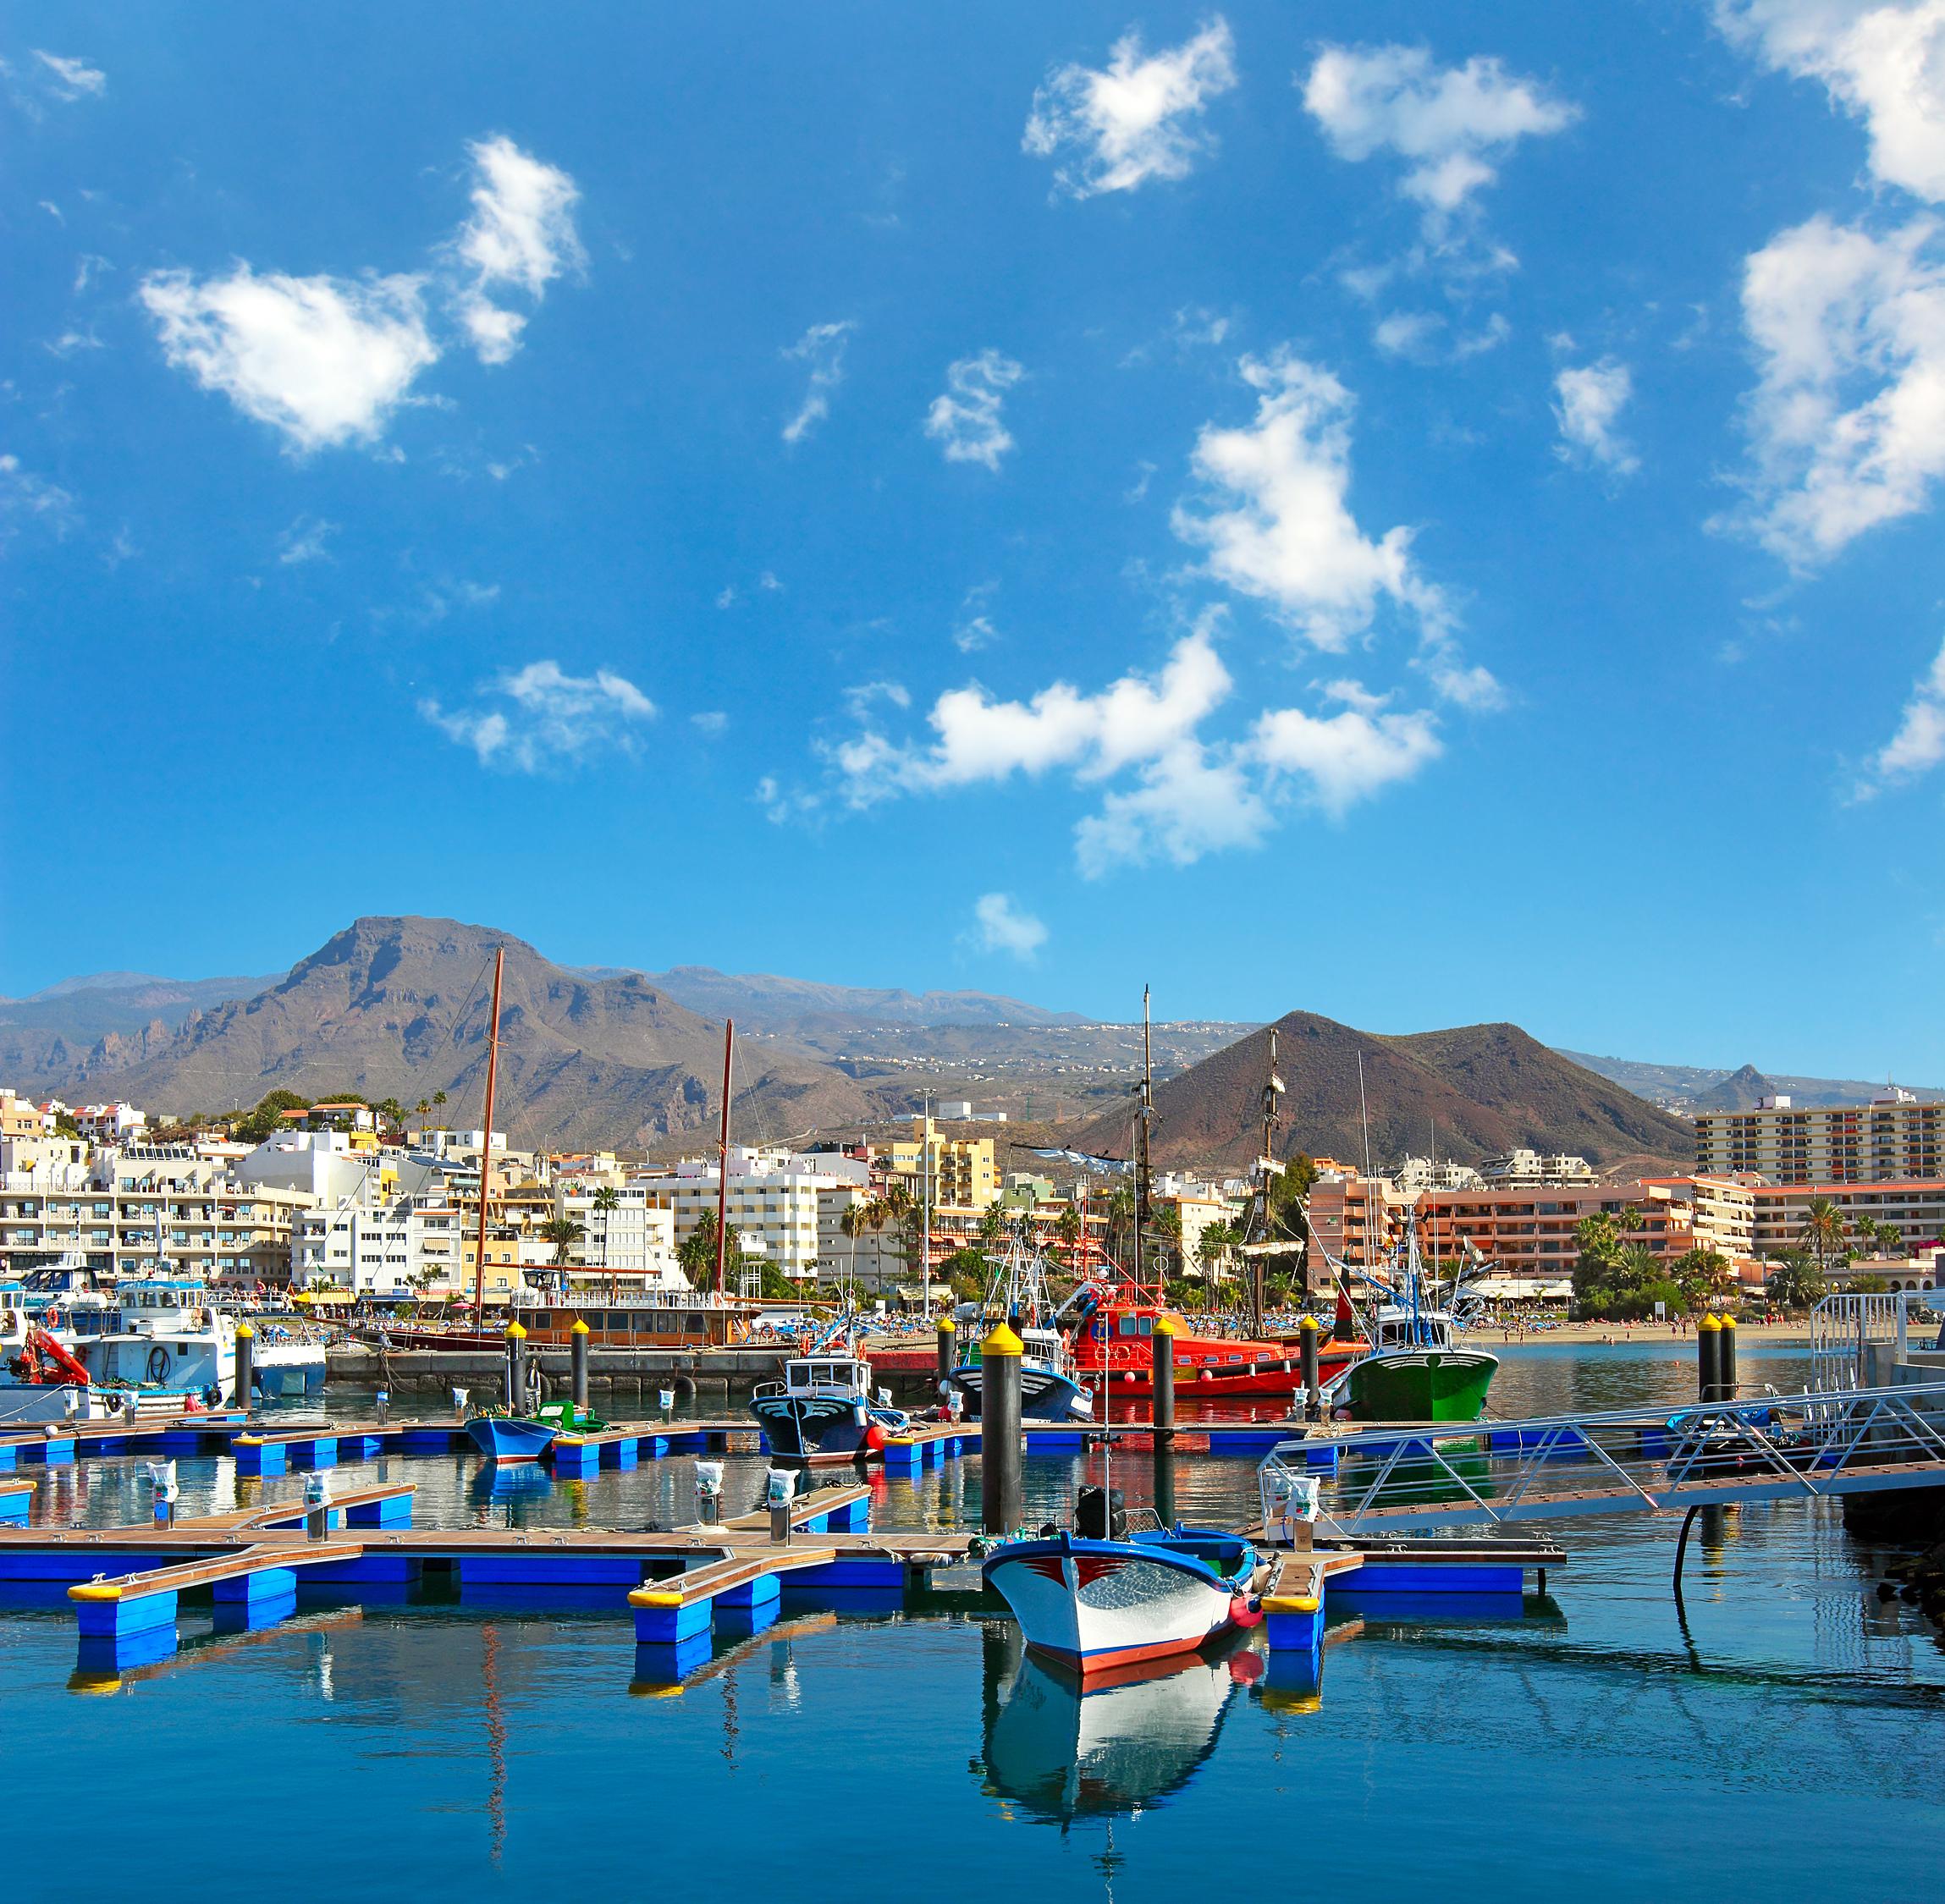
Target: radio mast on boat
{"points": [[722, 1158], [485, 1141]]}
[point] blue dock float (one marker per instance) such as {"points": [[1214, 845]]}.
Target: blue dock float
{"points": [[681, 1610], [16, 1498], [263, 1577]]}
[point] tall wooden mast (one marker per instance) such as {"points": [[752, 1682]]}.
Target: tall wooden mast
{"points": [[723, 1159], [486, 1140]]}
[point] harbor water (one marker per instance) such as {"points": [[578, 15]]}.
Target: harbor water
{"points": [[1780, 1734]]}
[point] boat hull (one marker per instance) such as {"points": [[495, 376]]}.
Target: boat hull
{"points": [[1279, 1375], [1045, 1394], [1095, 1604], [1419, 1385], [803, 1427], [502, 1438]]}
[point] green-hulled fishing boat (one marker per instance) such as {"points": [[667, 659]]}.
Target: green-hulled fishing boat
{"points": [[1417, 1371]]}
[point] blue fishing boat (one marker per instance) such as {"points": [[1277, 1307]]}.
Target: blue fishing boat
{"points": [[510, 1438]]}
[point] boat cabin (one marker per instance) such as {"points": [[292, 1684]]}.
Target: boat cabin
{"points": [[689, 1321], [1400, 1327], [842, 1376]]}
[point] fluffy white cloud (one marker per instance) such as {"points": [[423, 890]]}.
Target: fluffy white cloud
{"points": [[520, 236], [1139, 119], [1425, 337], [1847, 421], [965, 420], [1003, 927], [822, 347], [1451, 125], [1193, 799], [1883, 64], [1590, 400], [324, 360], [327, 359], [69, 79], [1137, 718], [1918, 745], [549, 719], [1349, 756], [1275, 522]]}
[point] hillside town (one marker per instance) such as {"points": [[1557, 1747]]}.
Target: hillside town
{"points": [[342, 1202]]}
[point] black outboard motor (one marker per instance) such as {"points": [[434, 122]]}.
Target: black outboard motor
{"points": [[1100, 1514]]}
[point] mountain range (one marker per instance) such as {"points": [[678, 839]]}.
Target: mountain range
{"points": [[396, 1007]]}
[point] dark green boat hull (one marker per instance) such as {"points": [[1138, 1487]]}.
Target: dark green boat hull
{"points": [[1419, 1385]]}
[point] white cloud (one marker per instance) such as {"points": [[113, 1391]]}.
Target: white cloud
{"points": [[1348, 756], [1426, 337], [1591, 399], [324, 360], [974, 633], [769, 583], [1275, 522], [712, 722], [1137, 119], [965, 420], [69, 79], [327, 360], [726, 598], [1883, 64], [552, 719], [822, 347], [1918, 745], [304, 540], [1193, 799], [520, 236], [1451, 125], [1847, 421], [27, 497], [1003, 927]]}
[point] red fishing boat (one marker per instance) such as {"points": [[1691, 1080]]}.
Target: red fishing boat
{"points": [[1113, 1326]]}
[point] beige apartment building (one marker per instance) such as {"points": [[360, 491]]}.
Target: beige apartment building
{"points": [[1896, 1139], [1742, 1216], [964, 1175]]}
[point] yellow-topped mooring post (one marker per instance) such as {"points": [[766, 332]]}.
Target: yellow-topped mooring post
{"points": [[578, 1338], [1307, 1362], [1708, 1358], [1163, 1343], [948, 1352], [1000, 1444], [1163, 1347], [1726, 1361], [515, 1367], [245, 1366]]}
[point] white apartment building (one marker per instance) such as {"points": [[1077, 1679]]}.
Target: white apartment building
{"points": [[143, 1212], [1529, 1170], [1744, 1217], [633, 1244], [772, 1202], [400, 1247], [1896, 1139], [1415, 1175], [109, 1124]]}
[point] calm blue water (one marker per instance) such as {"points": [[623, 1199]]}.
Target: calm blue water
{"points": [[436, 1750]]}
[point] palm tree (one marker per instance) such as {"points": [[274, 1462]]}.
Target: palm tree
{"points": [[423, 1107], [855, 1221], [438, 1099], [1067, 1231], [607, 1198], [1824, 1229], [1212, 1246], [1793, 1282], [564, 1233]]}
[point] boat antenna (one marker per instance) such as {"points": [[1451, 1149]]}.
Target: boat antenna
{"points": [[1364, 1116], [1145, 1186], [723, 1159], [486, 1140], [1272, 1115]]}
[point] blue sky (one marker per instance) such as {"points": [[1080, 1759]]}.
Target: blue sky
{"points": [[1421, 514]]}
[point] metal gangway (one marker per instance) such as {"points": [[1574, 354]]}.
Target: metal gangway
{"points": [[1845, 1330], [1812, 1446]]}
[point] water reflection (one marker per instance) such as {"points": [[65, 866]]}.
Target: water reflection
{"points": [[1062, 1750]]}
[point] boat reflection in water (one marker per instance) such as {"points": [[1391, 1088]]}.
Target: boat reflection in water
{"points": [[1061, 1749]]}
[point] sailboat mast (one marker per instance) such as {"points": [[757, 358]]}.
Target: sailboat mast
{"points": [[723, 1159], [486, 1140], [1144, 1187]]}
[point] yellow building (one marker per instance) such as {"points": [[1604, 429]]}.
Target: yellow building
{"points": [[962, 1171]]}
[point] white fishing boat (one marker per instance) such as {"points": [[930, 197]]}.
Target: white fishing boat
{"points": [[1109, 1596]]}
